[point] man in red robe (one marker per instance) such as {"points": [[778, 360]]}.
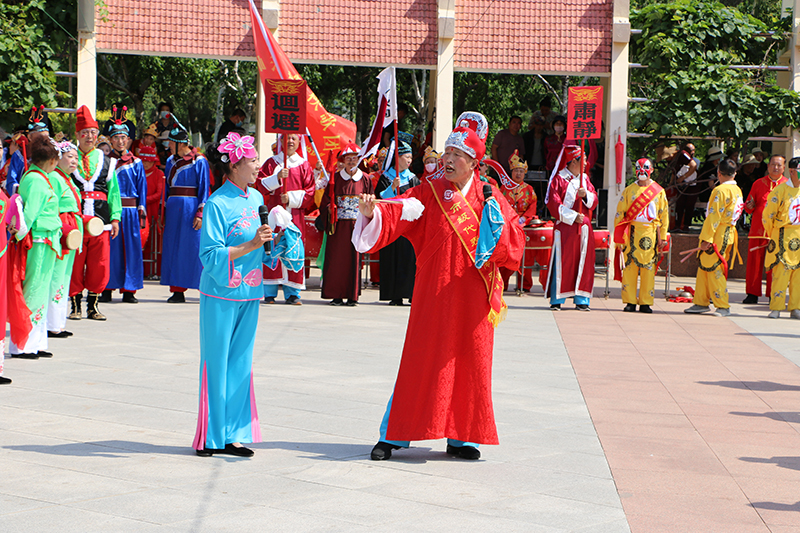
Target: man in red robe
{"points": [[758, 239], [288, 181], [341, 270], [571, 199], [443, 387]]}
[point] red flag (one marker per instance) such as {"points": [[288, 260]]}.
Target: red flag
{"points": [[330, 132]]}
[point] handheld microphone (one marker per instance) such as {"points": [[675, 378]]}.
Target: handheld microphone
{"points": [[263, 214], [487, 192]]}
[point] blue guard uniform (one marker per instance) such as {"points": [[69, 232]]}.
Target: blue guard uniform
{"points": [[186, 192], [230, 292], [127, 272]]}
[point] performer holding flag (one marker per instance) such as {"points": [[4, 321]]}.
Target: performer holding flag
{"points": [[640, 233], [571, 199], [444, 382]]}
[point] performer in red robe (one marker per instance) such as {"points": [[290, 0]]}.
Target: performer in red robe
{"points": [[571, 201], [4, 206], [341, 271], [155, 208], [443, 387], [287, 181], [758, 239], [522, 199]]}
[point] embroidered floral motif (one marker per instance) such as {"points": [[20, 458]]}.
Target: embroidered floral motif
{"points": [[37, 316], [243, 223]]}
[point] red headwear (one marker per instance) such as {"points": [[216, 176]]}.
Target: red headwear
{"points": [[469, 135], [85, 119], [349, 149], [569, 153], [147, 153]]}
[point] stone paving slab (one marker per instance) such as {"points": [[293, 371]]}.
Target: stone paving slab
{"points": [[98, 438]]}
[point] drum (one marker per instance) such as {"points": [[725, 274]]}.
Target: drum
{"points": [[601, 239], [71, 240], [539, 237], [313, 238], [93, 225]]}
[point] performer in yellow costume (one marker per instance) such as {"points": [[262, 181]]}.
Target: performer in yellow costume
{"points": [[640, 233], [718, 241], [782, 223]]}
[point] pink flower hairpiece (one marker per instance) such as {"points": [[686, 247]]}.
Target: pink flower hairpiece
{"points": [[234, 148]]}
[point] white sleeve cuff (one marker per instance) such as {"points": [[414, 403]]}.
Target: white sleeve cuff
{"points": [[589, 199], [366, 232], [296, 198], [567, 215], [271, 182]]}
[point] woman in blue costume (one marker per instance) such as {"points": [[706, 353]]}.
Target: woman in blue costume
{"points": [[232, 253]]}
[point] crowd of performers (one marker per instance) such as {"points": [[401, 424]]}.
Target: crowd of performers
{"points": [[449, 237]]}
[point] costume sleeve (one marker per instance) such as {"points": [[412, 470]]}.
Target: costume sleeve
{"points": [[16, 168], [556, 205], [386, 225], [590, 201], [622, 207], [770, 214], [268, 175], [155, 192], [754, 196], [303, 198], [508, 252], [203, 183], [141, 186], [34, 193], [530, 212], [662, 210], [114, 199], [214, 254], [167, 170], [716, 207]]}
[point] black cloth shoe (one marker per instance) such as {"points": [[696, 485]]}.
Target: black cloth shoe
{"points": [[69, 333], [555, 307], [238, 451], [25, 355], [382, 451], [176, 298], [58, 334], [750, 299], [337, 301], [582, 307], [4, 380], [630, 308], [397, 302], [42, 353], [269, 300], [351, 303], [206, 452], [105, 296], [645, 309], [129, 298], [465, 452], [293, 300]]}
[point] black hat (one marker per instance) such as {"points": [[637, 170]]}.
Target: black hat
{"points": [[794, 162]]}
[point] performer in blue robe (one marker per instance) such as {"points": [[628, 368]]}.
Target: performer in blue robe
{"points": [[232, 254], [37, 126], [186, 192], [127, 268]]}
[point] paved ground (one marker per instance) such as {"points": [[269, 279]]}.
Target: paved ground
{"points": [[696, 416]]}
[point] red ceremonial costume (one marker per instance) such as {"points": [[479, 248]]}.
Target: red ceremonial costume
{"points": [[572, 256], [155, 207], [341, 271], [443, 386], [522, 199], [757, 237], [300, 187]]}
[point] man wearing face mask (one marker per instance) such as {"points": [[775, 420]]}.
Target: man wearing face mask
{"points": [[235, 120], [432, 161], [640, 234]]}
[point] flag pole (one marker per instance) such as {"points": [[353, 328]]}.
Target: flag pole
{"points": [[285, 159], [316, 153]]}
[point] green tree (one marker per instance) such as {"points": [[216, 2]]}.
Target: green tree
{"points": [[689, 48]]}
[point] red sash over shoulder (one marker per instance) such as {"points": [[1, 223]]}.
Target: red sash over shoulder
{"points": [[466, 224], [638, 205]]}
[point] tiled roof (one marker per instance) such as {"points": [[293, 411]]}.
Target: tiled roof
{"points": [[381, 32], [491, 35], [202, 28], [534, 35]]}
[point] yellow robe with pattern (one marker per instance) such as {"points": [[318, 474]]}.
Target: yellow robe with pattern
{"points": [[640, 252], [725, 206], [781, 220]]}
